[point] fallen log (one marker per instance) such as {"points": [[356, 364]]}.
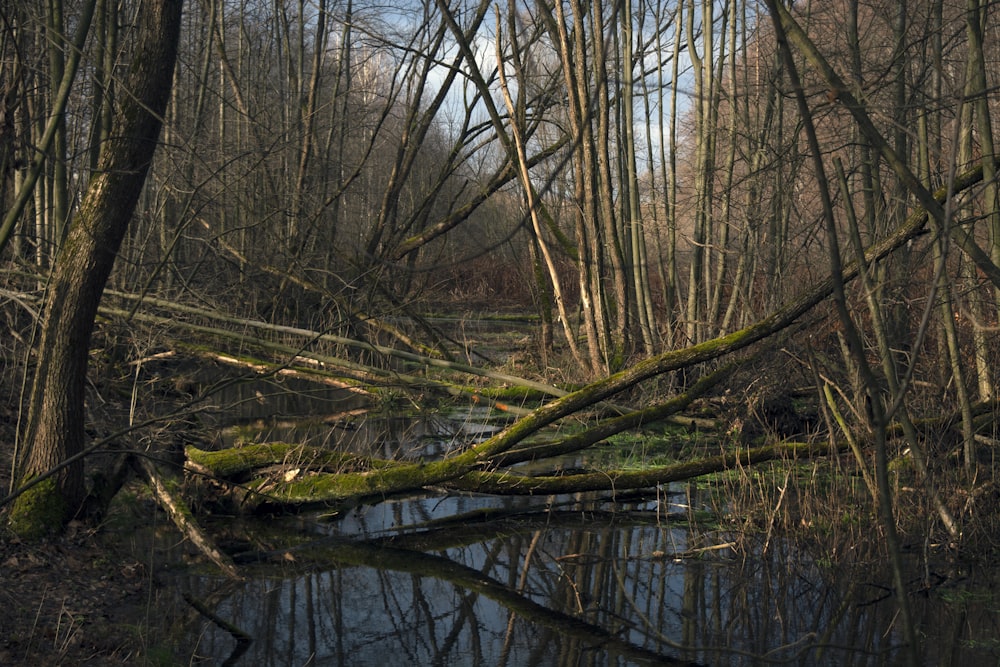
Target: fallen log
{"points": [[350, 486], [309, 475], [236, 463], [505, 483], [318, 336], [182, 517], [299, 487]]}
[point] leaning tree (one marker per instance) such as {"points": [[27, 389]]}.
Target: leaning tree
{"points": [[54, 435]]}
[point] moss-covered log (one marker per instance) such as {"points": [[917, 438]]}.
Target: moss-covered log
{"points": [[622, 480], [238, 463], [612, 426], [311, 475], [349, 488], [297, 486]]}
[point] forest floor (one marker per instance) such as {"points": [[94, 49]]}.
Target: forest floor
{"points": [[84, 598], [74, 600]]}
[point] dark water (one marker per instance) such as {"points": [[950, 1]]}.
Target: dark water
{"points": [[468, 580], [587, 589]]}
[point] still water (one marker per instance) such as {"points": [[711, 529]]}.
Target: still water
{"points": [[571, 580]]}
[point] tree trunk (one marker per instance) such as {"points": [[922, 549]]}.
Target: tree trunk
{"points": [[55, 426], [48, 137]]}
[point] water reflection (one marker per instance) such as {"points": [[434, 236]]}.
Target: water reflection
{"points": [[568, 586], [467, 580], [294, 410]]}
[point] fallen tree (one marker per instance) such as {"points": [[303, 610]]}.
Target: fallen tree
{"points": [[296, 475], [348, 481], [286, 476], [291, 476]]}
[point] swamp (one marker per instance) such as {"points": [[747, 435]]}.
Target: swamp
{"points": [[745, 567], [470, 333], [736, 562]]}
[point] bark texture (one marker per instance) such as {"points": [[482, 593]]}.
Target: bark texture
{"points": [[55, 427]]}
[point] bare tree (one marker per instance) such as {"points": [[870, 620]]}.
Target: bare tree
{"points": [[54, 435]]}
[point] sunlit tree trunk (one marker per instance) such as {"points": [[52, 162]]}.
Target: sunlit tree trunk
{"points": [[570, 41], [717, 284], [756, 104], [578, 61], [668, 165], [616, 306], [660, 321], [516, 112], [514, 146], [703, 70], [635, 216]]}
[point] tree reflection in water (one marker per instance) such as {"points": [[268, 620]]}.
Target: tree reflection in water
{"points": [[536, 585]]}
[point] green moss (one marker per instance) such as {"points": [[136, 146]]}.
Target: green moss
{"points": [[901, 464], [38, 512], [322, 487], [236, 461], [512, 393]]}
